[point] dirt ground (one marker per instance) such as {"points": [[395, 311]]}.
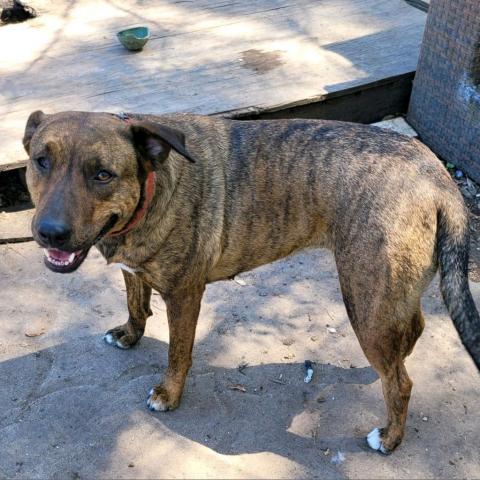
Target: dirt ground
{"points": [[74, 407]]}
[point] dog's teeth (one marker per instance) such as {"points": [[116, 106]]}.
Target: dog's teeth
{"points": [[59, 263]]}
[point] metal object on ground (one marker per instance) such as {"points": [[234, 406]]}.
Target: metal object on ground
{"points": [[445, 104]]}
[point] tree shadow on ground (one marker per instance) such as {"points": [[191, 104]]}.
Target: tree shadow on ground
{"points": [[75, 400]]}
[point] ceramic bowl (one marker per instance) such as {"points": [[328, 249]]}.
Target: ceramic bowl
{"points": [[134, 39]]}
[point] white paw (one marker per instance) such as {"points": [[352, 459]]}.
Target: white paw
{"points": [[374, 441], [155, 403], [116, 343]]}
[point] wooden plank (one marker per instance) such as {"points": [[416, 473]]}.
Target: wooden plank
{"points": [[13, 164], [15, 226], [420, 4], [204, 56], [364, 104]]}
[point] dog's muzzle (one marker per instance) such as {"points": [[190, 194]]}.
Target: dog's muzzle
{"points": [[61, 261]]}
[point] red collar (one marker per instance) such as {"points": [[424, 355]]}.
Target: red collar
{"points": [[149, 191]]}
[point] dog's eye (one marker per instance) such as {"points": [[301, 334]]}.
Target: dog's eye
{"points": [[103, 176], [43, 162]]}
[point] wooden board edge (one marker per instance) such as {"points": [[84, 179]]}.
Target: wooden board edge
{"points": [[420, 4], [362, 104], [252, 112], [13, 165]]}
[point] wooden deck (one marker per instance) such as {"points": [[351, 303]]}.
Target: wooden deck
{"points": [[205, 56]]}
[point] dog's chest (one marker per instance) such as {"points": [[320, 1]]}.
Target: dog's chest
{"points": [[126, 268]]}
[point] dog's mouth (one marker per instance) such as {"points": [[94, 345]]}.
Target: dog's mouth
{"points": [[60, 261]]}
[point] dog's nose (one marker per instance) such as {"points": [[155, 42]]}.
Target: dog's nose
{"points": [[53, 233]]}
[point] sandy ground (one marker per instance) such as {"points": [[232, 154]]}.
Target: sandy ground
{"points": [[74, 407]]}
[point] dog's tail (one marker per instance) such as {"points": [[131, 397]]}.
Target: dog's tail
{"points": [[453, 251]]}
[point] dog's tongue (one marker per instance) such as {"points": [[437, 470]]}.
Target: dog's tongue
{"points": [[59, 255]]}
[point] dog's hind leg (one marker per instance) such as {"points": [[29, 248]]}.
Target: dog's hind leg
{"points": [[382, 298], [386, 340], [138, 299], [386, 355], [384, 268]]}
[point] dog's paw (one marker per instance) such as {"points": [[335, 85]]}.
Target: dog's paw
{"points": [[159, 400], [374, 440], [119, 337]]}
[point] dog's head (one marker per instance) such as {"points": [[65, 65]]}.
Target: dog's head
{"points": [[86, 176]]}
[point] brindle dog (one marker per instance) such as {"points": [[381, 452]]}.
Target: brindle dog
{"points": [[184, 200]]}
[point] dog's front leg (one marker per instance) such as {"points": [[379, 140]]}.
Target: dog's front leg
{"points": [[138, 298], [183, 308]]}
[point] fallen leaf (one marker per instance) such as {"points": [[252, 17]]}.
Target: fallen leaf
{"points": [[239, 387], [34, 334]]}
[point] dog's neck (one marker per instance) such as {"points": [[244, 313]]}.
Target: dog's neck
{"points": [[158, 195], [148, 193]]}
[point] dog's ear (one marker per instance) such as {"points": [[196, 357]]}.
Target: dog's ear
{"points": [[154, 142], [34, 120]]}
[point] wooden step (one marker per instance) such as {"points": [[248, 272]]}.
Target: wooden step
{"points": [[15, 226], [204, 56]]}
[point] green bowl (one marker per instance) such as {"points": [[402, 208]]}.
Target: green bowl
{"points": [[134, 39]]}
